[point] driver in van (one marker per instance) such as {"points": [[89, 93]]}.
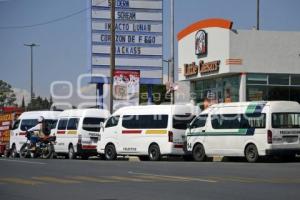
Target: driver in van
{"points": [[38, 132]]}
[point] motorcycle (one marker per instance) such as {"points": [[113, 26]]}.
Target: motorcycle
{"points": [[43, 148]]}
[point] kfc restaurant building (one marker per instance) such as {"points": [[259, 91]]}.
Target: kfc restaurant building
{"points": [[222, 64]]}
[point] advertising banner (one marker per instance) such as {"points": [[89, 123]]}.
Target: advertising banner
{"points": [[139, 38], [126, 88]]}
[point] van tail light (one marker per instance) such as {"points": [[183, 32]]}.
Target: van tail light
{"points": [[170, 135], [79, 139], [270, 137]]}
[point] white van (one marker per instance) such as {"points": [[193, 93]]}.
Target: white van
{"points": [[26, 121], [250, 129], [77, 132], [147, 131]]}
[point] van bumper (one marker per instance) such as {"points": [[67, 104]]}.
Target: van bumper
{"points": [[90, 150], [280, 152]]}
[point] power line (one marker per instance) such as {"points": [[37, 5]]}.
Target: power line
{"points": [[50, 21]]}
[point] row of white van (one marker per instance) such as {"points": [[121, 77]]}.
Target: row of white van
{"points": [[250, 129]]}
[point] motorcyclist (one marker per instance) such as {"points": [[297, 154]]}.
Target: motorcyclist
{"points": [[38, 132]]}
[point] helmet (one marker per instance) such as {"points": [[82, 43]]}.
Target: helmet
{"points": [[40, 119]]}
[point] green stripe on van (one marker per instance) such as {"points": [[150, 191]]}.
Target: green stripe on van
{"points": [[240, 132], [251, 108]]}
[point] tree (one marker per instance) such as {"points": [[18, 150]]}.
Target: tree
{"points": [[39, 103], [7, 95]]}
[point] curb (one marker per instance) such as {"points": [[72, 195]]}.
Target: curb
{"points": [[218, 158], [133, 159]]}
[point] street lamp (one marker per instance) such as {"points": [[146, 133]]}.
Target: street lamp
{"points": [[31, 67]]}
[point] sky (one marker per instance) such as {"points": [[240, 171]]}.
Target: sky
{"points": [[63, 51]]}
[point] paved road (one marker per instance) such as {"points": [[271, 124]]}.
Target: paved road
{"points": [[122, 180]]}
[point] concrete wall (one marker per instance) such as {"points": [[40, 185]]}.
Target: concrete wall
{"points": [[265, 51]]}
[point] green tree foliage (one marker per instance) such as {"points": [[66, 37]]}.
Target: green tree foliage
{"points": [[39, 103], [7, 95], [159, 94]]}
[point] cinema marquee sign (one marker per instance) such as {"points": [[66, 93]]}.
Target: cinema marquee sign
{"points": [[203, 68]]}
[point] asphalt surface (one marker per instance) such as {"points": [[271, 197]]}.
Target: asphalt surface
{"points": [[32, 179]]}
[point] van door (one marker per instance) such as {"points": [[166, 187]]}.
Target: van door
{"points": [[61, 142], [91, 130], [111, 132], [179, 126], [197, 131]]}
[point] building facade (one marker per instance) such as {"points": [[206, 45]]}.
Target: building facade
{"points": [[226, 65]]}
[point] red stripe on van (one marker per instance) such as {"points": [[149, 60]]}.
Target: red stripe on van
{"points": [[61, 132], [131, 131], [89, 147], [22, 133], [178, 146]]}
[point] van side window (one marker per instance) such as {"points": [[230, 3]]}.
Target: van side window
{"points": [[145, 121], [16, 125], [28, 123], [181, 121], [254, 120], [62, 124], [112, 121], [226, 121], [73, 124], [92, 124], [199, 122], [237, 121]]}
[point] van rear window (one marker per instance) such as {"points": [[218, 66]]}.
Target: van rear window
{"points": [[145, 121], [181, 121], [286, 120], [92, 124]]}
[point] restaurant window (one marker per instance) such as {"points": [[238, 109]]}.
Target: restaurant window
{"points": [[279, 79]]}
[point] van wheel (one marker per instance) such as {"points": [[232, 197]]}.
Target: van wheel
{"points": [[110, 152], [251, 153], [154, 153], [199, 153], [71, 152], [14, 152]]}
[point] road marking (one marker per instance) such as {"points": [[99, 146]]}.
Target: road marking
{"points": [[182, 178], [234, 179], [92, 179], [23, 161], [156, 178], [20, 181], [133, 179], [55, 180]]}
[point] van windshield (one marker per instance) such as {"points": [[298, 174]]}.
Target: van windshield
{"points": [[181, 121], [28, 124], [92, 124], [286, 120]]}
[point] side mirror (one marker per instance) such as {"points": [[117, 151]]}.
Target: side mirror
{"points": [[189, 126], [102, 125]]}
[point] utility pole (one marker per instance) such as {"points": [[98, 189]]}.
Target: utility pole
{"points": [[172, 52], [112, 53], [257, 15], [31, 67], [168, 62]]}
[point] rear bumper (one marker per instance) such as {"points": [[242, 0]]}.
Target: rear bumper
{"points": [[89, 150], [279, 152]]}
